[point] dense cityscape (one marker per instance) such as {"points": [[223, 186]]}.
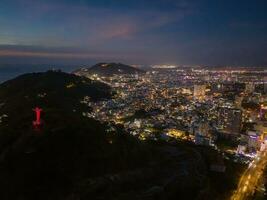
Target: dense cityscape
{"points": [[199, 105], [222, 108]]}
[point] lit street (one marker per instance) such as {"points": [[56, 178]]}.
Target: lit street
{"points": [[249, 181]]}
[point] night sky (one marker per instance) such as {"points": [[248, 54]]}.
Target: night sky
{"points": [[204, 32]]}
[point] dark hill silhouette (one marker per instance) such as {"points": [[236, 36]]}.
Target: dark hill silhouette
{"points": [[108, 69], [69, 148]]}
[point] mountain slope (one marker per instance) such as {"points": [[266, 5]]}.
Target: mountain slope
{"points": [[109, 69], [68, 148]]}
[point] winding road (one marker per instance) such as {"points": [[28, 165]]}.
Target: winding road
{"points": [[249, 181]]}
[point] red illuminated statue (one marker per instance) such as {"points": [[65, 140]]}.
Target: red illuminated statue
{"points": [[38, 121]]}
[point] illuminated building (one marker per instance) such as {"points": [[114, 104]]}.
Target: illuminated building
{"points": [[230, 120], [238, 101], [261, 127], [199, 91], [241, 149], [263, 146], [250, 87], [175, 133], [204, 129], [202, 135], [253, 141], [263, 112], [265, 84]]}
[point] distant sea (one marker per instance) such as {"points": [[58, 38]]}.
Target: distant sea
{"points": [[7, 76]]}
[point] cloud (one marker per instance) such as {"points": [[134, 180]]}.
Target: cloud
{"points": [[38, 51], [21, 51], [65, 23]]}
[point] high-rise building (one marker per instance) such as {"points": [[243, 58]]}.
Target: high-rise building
{"points": [[199, 91], [238, 101], [202, 134], [250, 87], [230, 120], [263, 112]]}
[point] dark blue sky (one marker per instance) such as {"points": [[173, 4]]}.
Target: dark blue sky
{"points": [[205, 32]]}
